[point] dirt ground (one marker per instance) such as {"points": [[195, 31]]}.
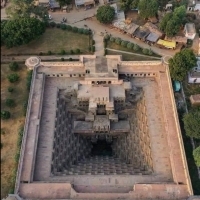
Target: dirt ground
{"points": [[10, 127]]}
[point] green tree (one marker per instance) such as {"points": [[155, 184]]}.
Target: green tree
{"points": [[130, 45], [105, 14], [124, 43], [13, 77], [172, 28], [5, 114], [10, 102], [136, 47], [64, 2], [25, 9], [118, 41], [196, 155], [128, 4], [21, 31], [10, 89], [13, 66], [148, 8], [164, 21], [191, 123], [181, 63]]}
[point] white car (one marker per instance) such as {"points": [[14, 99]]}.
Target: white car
{"points": [[49, 17]]}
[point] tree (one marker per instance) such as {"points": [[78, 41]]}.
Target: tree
{"points": [[164, 21], [148, 8], [13, 66], [10, 89], [10, 102], [136, 47], [181, 63], [191, 123], [128, 4], [21, 31], [196, 155], [105, 14], [64, 2], [13, 77], [118, 41], [172, 28], [130, 45], [5, 114], [171, 23], [124, 43], [25, 9]]}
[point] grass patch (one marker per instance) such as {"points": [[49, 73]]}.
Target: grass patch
{"points": [[129, 57], [113, 45], [12, 125], [53, 40]]}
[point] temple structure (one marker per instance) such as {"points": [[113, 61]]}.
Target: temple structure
{"points": [[101, 128]]}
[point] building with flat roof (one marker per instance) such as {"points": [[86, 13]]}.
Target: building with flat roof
{"points": [[101, 128], [190, 30]]}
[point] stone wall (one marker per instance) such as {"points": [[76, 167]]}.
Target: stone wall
{"points": [[68, 148], [134, 147]]}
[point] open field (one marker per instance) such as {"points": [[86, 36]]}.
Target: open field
{"points": [[10, 127], [54, 40]]}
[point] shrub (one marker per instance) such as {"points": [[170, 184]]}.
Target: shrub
{"points": [[52, 24], [1, 145], [86, 31], [5, 114], [49, 53], [13, 77], [10, 102], [57, 25], [150, 52], [112, 39], [89, 48], [124, 43], [118, 41], [93, 42], [136, 47], [70, 59], [2, 131], [62, 59], [10, 89], [28, 79], [41, 53], [25, 104], [75, 29], [69, 27], [93, 48], [63, 26], [145, 51], [13, 66], [77, 51], [130, 45], [71, 51], [107, 37], [62, 52], [17, 155], [80, 30]]}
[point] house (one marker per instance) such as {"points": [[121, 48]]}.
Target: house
{"points": [[190, 30], [177, 39], [195, 99], [194, 74], [152, 38], [141, 33], [84, 2]]}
